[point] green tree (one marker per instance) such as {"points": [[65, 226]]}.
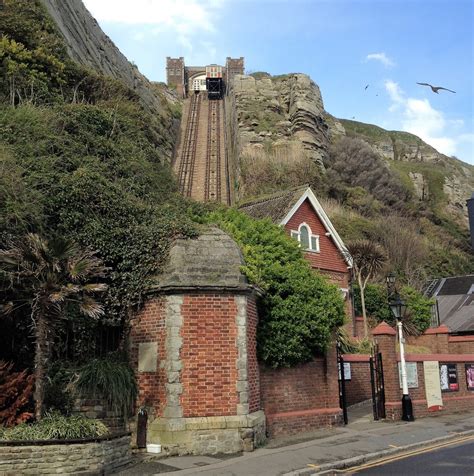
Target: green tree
{"points": [[47, 276], [418, 317], [368, 258], [299, 309]]}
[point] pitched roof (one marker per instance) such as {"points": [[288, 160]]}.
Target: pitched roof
{"points": [[455, 302], [281, 206]]}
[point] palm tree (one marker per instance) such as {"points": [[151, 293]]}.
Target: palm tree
{"points": [[368, 258], [46, 276]]}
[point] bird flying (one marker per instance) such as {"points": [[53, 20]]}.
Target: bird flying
{"points": [[435, 89], [366, 87]]}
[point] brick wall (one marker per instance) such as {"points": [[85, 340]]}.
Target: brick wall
{"points": [[457, 401], [93, 457], [149, 326], [301, 398], [252, 364], [461, 344], [358, 388], [209, 355]]}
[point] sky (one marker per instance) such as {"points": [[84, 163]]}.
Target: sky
{"points": [[344, 45]]}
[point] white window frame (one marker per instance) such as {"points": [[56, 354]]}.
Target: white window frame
{"points": [[297, 235]]}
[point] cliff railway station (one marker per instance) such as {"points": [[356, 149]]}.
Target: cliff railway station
{"points": [[201, 160]]}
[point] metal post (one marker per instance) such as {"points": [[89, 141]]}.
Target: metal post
{"points": [[343, 390], [374, 395], [407, 407]]}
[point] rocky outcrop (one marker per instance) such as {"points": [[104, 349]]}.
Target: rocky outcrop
{"points": [[88, 45], [281, 110]]}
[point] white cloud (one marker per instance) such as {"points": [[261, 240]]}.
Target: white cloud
{"points": [[185, 17], [420, 118], [382, 57]]}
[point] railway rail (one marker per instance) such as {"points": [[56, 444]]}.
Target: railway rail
{"points": [[188, 156], [202, 161], [212, 186]]}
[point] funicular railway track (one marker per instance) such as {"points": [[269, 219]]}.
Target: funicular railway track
{"points": [[188, 155], [212, 185]]}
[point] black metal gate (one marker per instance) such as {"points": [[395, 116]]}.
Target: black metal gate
{"points": [[376, 379], [342, 382]]}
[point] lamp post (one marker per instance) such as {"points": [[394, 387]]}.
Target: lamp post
{"points": [[398, 308]]}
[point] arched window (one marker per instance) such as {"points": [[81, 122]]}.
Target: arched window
{"points": [[304, 236], [307, 240]]}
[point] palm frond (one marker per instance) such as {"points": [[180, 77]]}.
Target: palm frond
{"points": [[90, 307]]}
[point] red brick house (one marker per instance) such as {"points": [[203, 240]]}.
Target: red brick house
{"points": [[303, 217]]}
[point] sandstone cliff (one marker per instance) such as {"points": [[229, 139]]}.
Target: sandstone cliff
{"points": [[88, 45], [288, 109], [279, 111]]}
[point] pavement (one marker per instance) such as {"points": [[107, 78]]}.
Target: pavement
{"points": [[319, 452]]}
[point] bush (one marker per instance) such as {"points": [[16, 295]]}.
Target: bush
{"points": [[54, 426], [353, 163], [418, 315], [300, 309], [110, 378]]}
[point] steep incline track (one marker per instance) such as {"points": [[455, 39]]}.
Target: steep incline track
{"points": [[201, 156]]}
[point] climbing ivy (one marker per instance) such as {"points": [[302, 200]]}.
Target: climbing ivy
{"points": [[299, 309]]}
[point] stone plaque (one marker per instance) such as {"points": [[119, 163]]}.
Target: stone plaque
{"points": [[434, 400], [147, 356], [412, 374]]}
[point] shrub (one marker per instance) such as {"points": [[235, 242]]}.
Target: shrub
{"points": [[353, 163], [110, 378], [300, 309], [418, 315], [54, 426], [16, 392]]}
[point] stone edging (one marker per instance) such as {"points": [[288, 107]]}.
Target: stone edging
{"points": [[96, 439], [358, 460]]}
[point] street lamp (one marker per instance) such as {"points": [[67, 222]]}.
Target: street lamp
{"points": [[398, 308]]}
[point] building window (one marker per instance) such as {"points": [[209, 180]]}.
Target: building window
{"points": [[307, 240]]}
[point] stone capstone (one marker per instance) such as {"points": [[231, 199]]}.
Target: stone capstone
{"points": [[211, 261]]}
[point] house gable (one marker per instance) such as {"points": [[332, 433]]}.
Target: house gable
{"points": [[329, 257]]}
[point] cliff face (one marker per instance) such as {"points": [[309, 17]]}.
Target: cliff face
{"points": [[422, 164], [88, 45], [280, 111], [288, 109]]}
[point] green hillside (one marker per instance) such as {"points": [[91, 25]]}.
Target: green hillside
{"points": [[82, 157]]}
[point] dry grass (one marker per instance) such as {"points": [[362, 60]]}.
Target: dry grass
{"points": [[266, 170]]}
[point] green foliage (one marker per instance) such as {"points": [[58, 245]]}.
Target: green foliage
{"points": [[418, 308], [55, 426], [376, 300], [110, 378], [58, 395], [300, 309]]}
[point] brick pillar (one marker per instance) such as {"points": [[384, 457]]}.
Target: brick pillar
{"points": [[385, 336], [440, 339]]}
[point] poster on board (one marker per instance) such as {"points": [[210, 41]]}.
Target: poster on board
{"points": [[434, 400], [448, 376], [412, 374], [347, 371], [470, 376]]}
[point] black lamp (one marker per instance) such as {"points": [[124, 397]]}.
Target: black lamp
{"points": [[398, 307]]}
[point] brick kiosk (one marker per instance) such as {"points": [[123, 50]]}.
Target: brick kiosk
{"points": [[194, 350]]}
